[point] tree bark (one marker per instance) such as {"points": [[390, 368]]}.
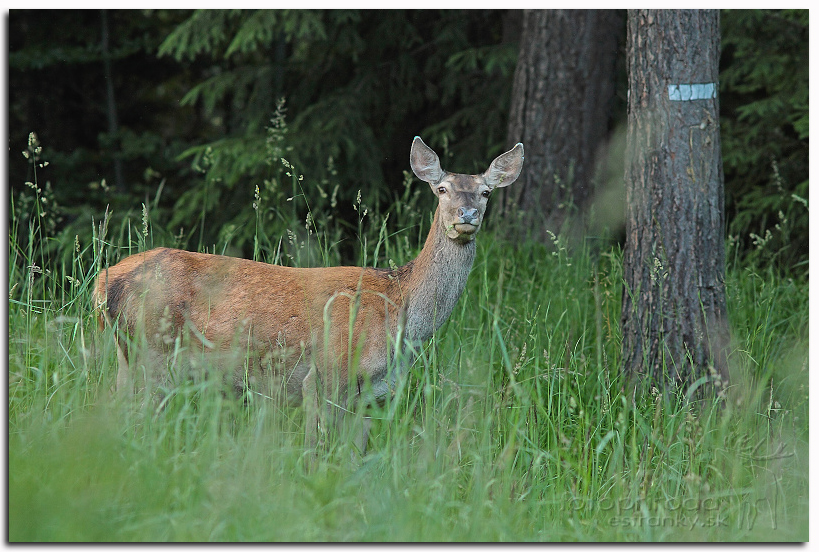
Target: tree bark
{"points": [[561, 106], [674, 310]]}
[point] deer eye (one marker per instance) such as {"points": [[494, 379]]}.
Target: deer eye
{"points": [[441, 189], [486, 193]]}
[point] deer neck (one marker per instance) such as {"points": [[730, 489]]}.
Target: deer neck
{"points": [[436, 281]]}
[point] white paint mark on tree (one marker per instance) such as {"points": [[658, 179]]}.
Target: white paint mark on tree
{"points": [[688, 92]]}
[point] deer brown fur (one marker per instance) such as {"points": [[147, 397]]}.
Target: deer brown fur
{"points": [[298, 329]]}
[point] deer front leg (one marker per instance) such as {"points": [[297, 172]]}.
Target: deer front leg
{"points": [[311, 403], [362, 437]]}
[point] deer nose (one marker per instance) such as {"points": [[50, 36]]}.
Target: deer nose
{"points": [[468, 216]]}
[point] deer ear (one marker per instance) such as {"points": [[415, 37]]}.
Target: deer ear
{"points": [[424, 162], [506, 168]]}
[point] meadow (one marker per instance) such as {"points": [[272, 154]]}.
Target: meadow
{"points": [[515, 423]]}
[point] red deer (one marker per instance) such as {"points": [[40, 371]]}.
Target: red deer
{"points": [[298, 331]]}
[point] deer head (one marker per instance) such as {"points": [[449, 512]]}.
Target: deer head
{"points": [[462, 198]]}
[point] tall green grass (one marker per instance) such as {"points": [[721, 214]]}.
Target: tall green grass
{"points": [[512, 425]]}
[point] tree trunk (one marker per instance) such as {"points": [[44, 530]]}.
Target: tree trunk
{"points": [[561, 98], [111, 107], [673, 319]]}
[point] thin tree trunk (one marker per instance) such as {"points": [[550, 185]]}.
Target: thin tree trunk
{"points": [[674, 320], [111, 106], [561, 106]]}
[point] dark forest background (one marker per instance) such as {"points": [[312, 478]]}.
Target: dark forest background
{"points": [[190, 114]]}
